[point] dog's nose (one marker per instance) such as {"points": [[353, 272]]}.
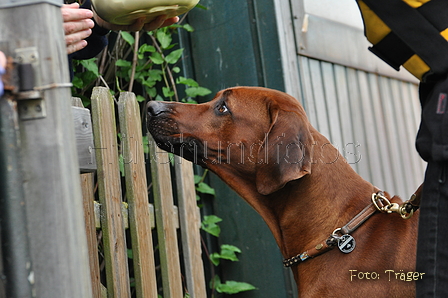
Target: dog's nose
{"points": [[155, 108]]}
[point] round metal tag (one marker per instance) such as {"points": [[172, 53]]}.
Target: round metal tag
{"points": [[346, 244]]}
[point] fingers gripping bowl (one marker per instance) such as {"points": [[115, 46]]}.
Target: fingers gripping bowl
{"points": [[125, 12]]}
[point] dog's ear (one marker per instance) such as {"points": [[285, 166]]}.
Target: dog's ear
{"points": [[286, 151]]}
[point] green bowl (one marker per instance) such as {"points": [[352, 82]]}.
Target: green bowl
{"points": [[125, 12]]}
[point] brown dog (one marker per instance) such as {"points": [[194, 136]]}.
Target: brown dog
{"points": [[259, 141]]}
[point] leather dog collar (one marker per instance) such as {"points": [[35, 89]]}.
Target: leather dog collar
{"points": [[379, 203]]}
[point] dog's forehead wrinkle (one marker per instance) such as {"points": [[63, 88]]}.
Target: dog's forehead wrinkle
{"points": [[227, 93]]}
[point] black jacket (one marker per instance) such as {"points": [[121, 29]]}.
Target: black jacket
{"points": [[96, 42]]}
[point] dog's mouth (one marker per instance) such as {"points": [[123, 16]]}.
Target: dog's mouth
{"points": [[165, 132]]}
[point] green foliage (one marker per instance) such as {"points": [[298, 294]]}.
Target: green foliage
{"points": [[86, 78], [156, 64], [205, 188], [230, 286], [128, 37], [228, 252], [152, 61], [209, 224], [130, 253], [153, 65]]}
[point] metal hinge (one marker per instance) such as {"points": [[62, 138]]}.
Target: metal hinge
{"points": [[31, 104]]}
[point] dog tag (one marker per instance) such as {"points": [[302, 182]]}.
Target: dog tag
{"points": [[346, 243]]}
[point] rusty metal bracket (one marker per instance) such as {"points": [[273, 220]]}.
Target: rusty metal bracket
{"points": [[32, 109], [23, 83], [31, 103], [27, 61]]}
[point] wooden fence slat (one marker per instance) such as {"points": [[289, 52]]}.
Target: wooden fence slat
{"points": [[109, 190], [84, 136], [137, 196], [92, 243], [88, 197], [189, 225], [165, 223]]}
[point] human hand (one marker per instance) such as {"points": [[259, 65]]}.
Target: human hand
{"points": [[139, 24], [2, 60], [2, 70], [77, 26]]}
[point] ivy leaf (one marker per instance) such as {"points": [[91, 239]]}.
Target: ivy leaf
{"points": [[144, 48], [90, 65], [123, 63], [209, 224], [197, 91], [127, 37], [140, 76], [188, 28], [85, 78], [203, 187], [149, 82], [234, 287], [145, 144], [228, 252], [174, 56], [201, 6], [155, 74], [130, 253], [215, 258], [163, 38], [157, 58], [152, 92], [167, 92], [77, 82], [140, 98], [189, 100], [197, 179], [215, 282], [188, 82]]}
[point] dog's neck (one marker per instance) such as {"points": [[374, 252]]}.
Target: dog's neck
{"points": [[317, 204], [307, 210]]}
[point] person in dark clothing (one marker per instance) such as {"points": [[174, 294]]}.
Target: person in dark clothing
{"points": [[411, 33], [432, 144]]}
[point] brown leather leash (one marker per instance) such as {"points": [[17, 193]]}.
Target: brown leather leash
{"points": [[341, 236]]}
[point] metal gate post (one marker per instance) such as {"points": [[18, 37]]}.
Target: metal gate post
{"points": [[14, 241], [46, 176]]}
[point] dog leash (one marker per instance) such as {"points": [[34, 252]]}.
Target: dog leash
{"points": [[341, 236]]}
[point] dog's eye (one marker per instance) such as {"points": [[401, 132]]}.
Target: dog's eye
{"points": [[222, 108]]}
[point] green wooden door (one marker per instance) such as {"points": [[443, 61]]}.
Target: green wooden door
{"points": [[236, 43]]}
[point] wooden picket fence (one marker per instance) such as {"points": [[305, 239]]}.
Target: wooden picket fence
{"points": [[112, 215]]}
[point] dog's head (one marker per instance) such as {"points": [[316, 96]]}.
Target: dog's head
{"points": [[252, 132]]}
